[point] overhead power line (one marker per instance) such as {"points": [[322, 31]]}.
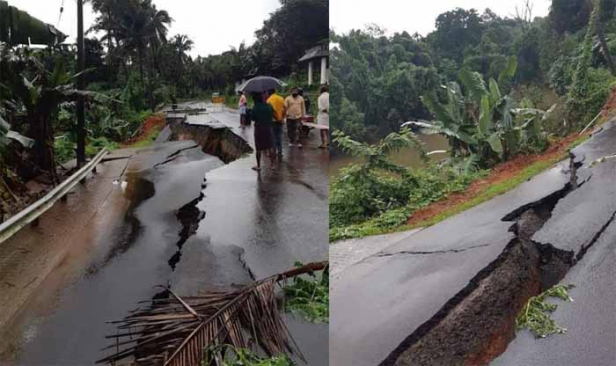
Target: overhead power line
{"points": [[60, 16]]}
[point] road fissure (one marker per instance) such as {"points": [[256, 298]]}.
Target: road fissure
{"points": [[478, 323]]}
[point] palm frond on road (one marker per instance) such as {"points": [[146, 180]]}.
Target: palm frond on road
{"points": [[179, 331]]}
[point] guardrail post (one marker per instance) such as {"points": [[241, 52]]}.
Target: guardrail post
{"points": [[36, 222], [64, 198]]}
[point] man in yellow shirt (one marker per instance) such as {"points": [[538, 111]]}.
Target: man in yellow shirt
{"points": [[295, 110], [277, 103]]}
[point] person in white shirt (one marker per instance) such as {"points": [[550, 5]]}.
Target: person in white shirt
{"points": [[323, 116], [242, 106]]}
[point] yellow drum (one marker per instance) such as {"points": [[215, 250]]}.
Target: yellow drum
{"points": [[218, 99]]}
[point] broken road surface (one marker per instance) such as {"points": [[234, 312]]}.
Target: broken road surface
{"points": [[413, 302], [176, 216]]}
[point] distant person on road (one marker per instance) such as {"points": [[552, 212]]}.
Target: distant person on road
{"points": [[277, 103], [306, 100], [262, 113], [296, 111], [323, 116], [242, 106]]}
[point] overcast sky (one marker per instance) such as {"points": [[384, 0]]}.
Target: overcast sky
{"points": [[414, 15], [214, 25]]}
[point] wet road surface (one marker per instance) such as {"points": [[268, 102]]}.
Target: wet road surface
{"points": [[191, 223], [400, 288], [397, 290]]}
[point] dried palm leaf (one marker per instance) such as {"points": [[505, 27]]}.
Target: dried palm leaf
{"points": [[179, 331]]}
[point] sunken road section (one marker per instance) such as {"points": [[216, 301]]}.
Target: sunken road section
{"points": [[477, 324]]}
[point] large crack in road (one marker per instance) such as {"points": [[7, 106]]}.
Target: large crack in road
{"points": [[478, 323], [213, 141]]}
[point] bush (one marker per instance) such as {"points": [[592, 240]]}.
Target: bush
{"points": [[561, 75], [581, 110], [361, 205]]}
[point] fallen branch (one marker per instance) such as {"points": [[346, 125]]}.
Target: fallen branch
{"points": [[179, 330]]}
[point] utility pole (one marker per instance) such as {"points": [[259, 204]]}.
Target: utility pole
{"points": [[81, 113]]}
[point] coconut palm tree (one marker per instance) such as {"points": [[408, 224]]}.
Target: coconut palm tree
{"points": [[181, 45]]}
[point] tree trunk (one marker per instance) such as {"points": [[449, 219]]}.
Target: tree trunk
{"points": [[109, 34], [604, 47], [150, 91], [141, 67], [43, 147]]}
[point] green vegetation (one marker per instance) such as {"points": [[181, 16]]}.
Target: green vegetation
{"points": [[378, 196], [392, 200], [132, 69], [482, 126], [309, 297], [492, 191], [535, 316], [496, 87], [148, 139], [242, 357]]}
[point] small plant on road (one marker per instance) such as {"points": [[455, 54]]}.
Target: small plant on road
{"points": [[242, 357], [309, 297], [535, 316]]}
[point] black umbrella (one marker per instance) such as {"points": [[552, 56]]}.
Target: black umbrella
{"points": [[259, 84]]}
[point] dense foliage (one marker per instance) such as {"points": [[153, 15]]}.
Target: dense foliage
{"points": [[136, 29], [494, 86], [133, 67], [309, 296], [482, 125], [379, 79], [378, 195]]}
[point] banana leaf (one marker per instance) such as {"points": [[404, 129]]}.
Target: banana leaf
{"points": [[485, 117], [473, 81], [496, 144]]}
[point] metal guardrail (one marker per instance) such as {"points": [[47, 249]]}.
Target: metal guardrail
{"points": [[32, 212]]}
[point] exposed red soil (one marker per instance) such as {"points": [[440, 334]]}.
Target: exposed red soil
{"points": [[499, 173], [609, 109], [152, 122], [506, 170]]}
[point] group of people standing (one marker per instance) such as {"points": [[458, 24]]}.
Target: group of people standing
{"points": [[270, 113]]}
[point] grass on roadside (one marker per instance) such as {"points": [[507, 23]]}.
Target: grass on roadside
{"points": [[375, 226], [148, 139], [491, 192]]}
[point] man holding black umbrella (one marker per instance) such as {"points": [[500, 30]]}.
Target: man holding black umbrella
{"points": [[262, 114]]}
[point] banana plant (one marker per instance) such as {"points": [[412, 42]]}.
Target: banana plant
{"points": [[6, 134], [482, 124]]}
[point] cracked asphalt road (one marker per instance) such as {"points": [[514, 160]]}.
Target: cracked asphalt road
{"points": [[394, 293], [251, 226], [576, 222]]}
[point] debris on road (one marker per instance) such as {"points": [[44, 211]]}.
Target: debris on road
{"points": [[178, 331]]}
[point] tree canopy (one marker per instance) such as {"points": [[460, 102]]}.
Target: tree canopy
{"points": [[381, 79]]}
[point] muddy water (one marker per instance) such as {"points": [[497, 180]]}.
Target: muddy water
{"points": [[405, 157]]}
